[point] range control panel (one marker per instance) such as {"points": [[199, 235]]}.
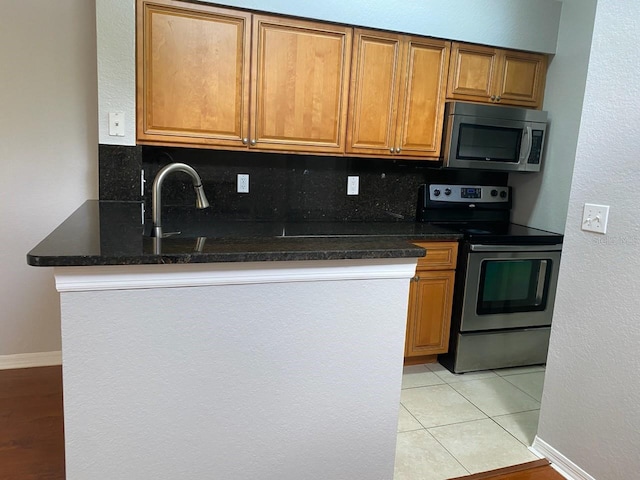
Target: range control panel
{"points": [[468, 193]]}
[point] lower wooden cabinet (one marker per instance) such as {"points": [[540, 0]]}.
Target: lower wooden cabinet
{"points": [[430, 300]]}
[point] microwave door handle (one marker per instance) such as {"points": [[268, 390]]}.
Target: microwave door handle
{"points": [[542, 276], [529, 134]]}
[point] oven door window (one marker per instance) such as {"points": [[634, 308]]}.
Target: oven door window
{"points": [[508, 286], [489, 143]]}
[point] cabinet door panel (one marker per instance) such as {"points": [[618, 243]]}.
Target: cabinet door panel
{"points": [[300, 83], [522, 79], [422, 104], [472, 72], [375, 82], [193, 83], [429, 313]]}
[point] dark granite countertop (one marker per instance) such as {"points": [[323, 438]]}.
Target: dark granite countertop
{"points": [[112, 233]]}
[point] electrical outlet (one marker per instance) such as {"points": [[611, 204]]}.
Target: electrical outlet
{"points": [[243, 183], [353, 185], [595, 217], [116, 124]]}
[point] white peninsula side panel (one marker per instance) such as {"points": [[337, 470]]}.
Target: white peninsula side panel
{"points": [[270, 370]]}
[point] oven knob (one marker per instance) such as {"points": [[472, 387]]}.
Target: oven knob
{"points": [[436, 193], [503, 194], [494, 193], [447, 191]]}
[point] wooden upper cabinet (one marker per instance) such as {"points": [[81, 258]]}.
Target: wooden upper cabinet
{"points": [[192, 73], [492, 75], [472, 72], [522, 79], [420, 118], [375, 85], [397, 94], [300, 79]]}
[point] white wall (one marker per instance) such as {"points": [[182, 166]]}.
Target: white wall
{"points": [[295, 374], [48, 153], [542, 199], [590, 403], [519, 24]]}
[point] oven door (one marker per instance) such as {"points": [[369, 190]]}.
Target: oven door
{"points": [[509, 286]]}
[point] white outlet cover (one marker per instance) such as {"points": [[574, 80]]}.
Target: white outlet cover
{"points": [[595, 218], [243, 183], [353, 185], [116, 124]]}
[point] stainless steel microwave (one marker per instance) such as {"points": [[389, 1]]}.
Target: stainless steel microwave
{"points": [[493, 137]]}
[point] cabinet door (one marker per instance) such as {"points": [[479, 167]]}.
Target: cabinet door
{"points": [[472, 72], [373, 101], [522, 79], [193, 73], [429, 316], [419, 130], [300, 81]]}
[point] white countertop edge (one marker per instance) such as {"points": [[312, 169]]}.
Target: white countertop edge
{"points": [[127, 277]]}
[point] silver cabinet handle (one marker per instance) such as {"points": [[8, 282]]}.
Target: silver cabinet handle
{"points": [[245, 140], [493, 98], [398, 149], [253, 142], [391, 149], [498, 98]]}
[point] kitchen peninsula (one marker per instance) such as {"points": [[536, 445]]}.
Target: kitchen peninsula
{"points": [[232, 350]]}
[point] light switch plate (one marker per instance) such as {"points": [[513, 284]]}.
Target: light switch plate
{"points": [[595, 217]]}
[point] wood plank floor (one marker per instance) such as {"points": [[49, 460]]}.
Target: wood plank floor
{"points": [[31, 428], [538, 470], [32, 436]]}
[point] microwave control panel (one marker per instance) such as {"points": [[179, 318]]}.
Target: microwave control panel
{"points": [[536, 147], [468, 193]]}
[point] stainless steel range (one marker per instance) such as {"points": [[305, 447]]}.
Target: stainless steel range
{"points": [[505, 282]]}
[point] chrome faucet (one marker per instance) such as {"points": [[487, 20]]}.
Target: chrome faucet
{"points": [[156, 202]]}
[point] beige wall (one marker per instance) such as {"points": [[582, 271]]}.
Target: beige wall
{"points": [[48, 153], [541, 200], [590, 403]]}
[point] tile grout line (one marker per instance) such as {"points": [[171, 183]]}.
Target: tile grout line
{"points": [[516, 438], [414, 417], [447, 450], [539, 401], [421, 386], [447, 424], [488, 415]]}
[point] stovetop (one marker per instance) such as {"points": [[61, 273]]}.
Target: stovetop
{"points": [[480, 212], [502, 233]]}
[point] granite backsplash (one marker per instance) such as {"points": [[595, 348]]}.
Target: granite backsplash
{"points": [[281, 187]]}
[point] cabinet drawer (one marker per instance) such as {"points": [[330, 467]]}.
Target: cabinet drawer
{"points": [[440, 255]]}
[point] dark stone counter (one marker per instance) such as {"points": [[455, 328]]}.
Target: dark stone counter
{"points": [[112, 233]]}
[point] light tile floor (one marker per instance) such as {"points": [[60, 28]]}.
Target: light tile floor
{"points": [[453, 425]]}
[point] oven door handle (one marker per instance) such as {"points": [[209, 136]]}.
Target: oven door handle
{"points": [[542, 277], [515, 248]]}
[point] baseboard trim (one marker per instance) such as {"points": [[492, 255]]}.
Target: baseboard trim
{"points": [[559, 462], [28, 360]]}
